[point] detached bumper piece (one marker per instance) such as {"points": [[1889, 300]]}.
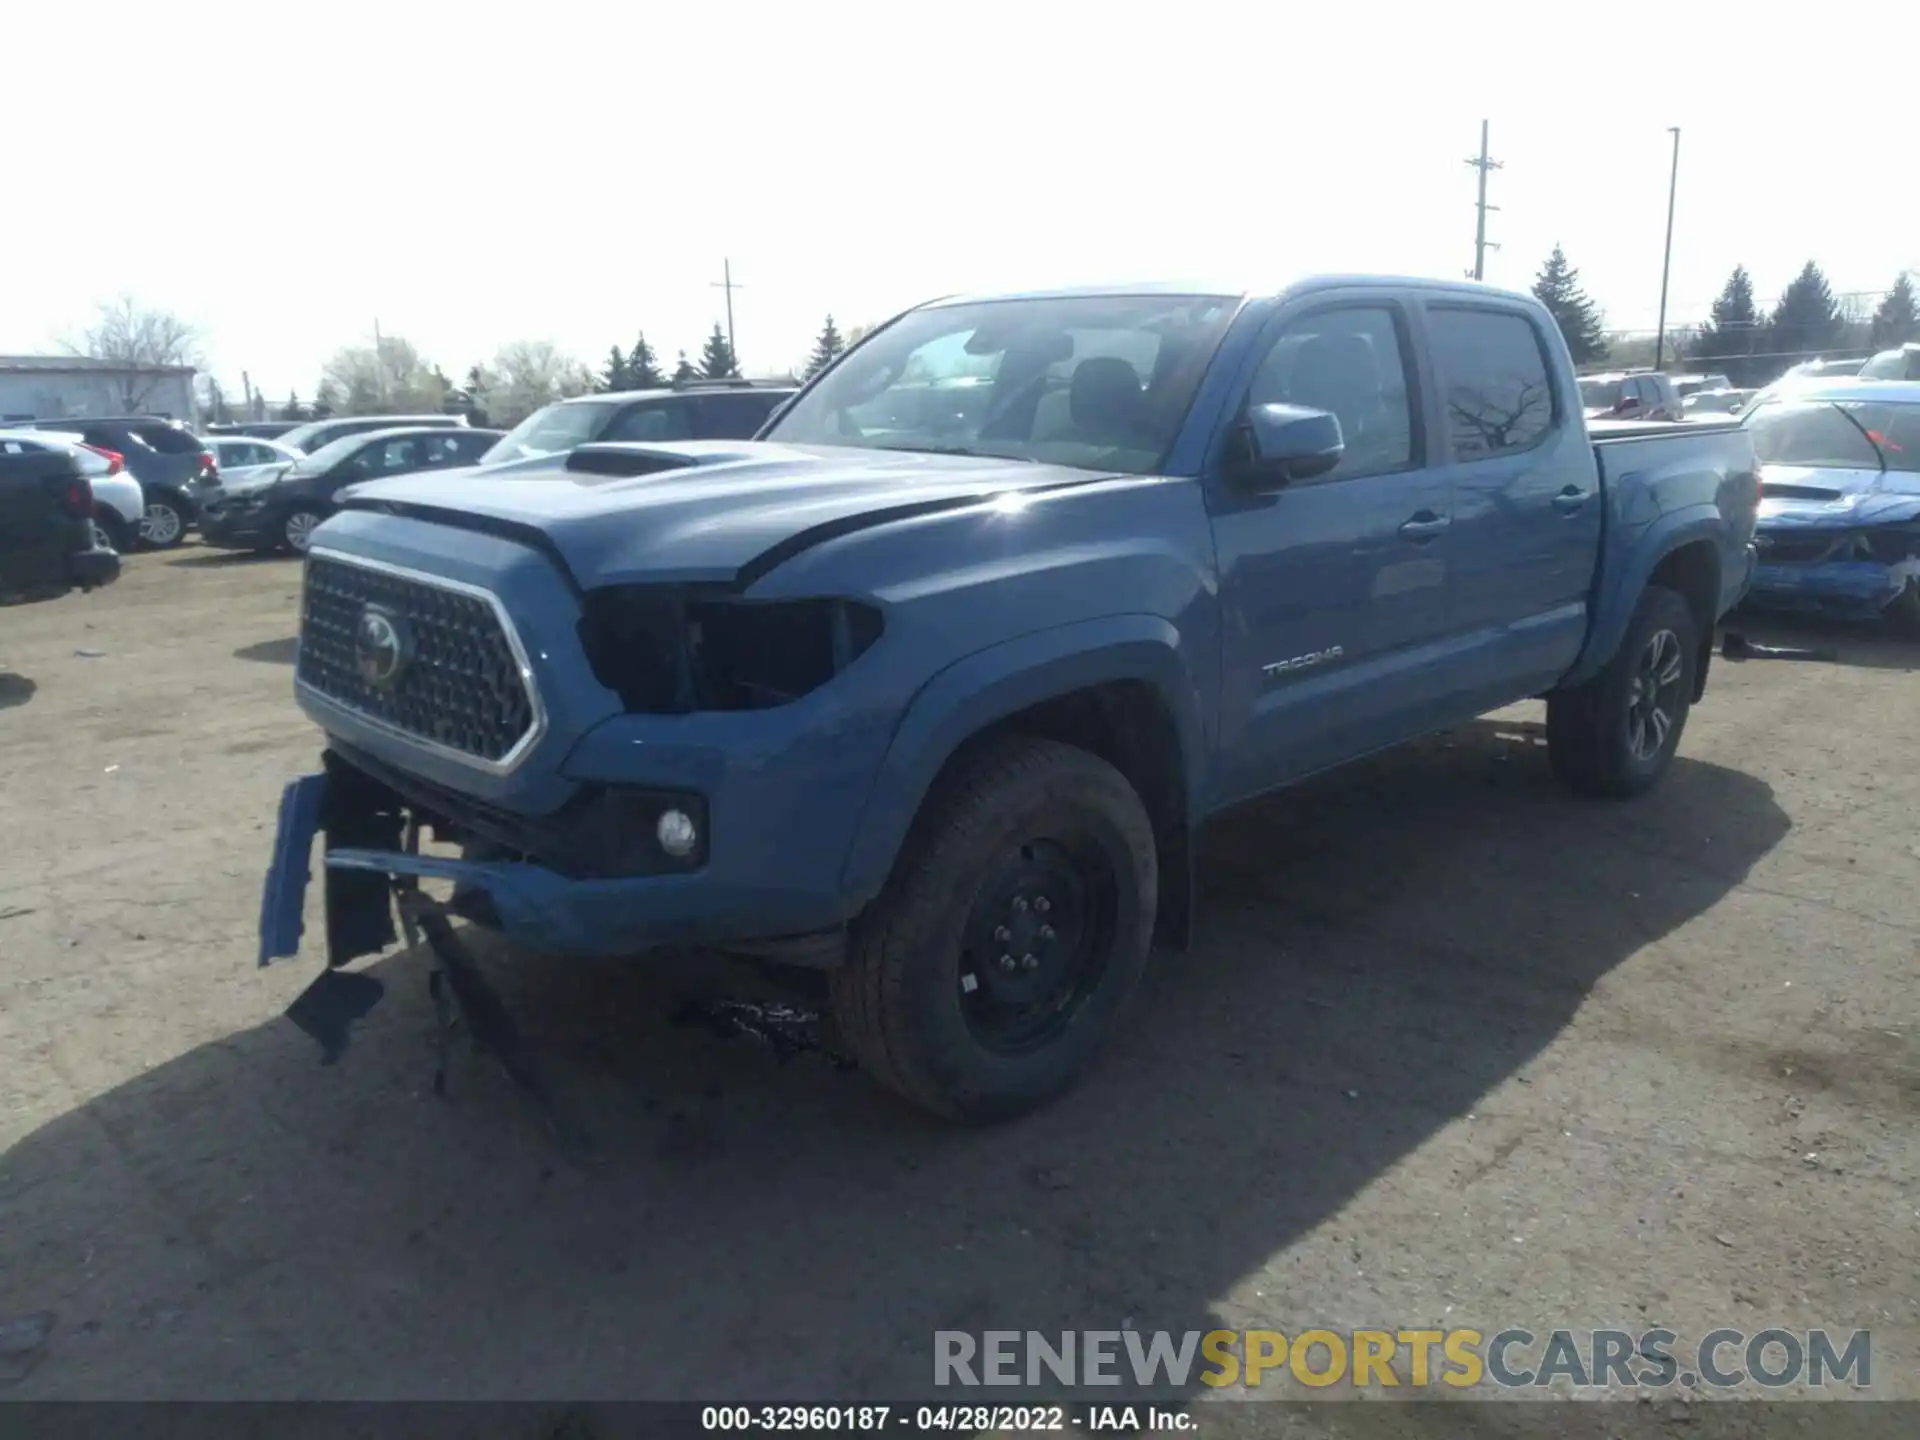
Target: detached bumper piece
{"points": [[365, 888]]}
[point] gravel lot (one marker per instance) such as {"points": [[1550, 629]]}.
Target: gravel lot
{"points": [[1452, 1049]]}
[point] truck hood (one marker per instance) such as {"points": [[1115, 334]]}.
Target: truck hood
{"points": [[721, 512], [1808, 496]]}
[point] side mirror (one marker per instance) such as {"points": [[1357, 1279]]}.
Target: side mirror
{"points": [[1624, 404], [1290, 443]]}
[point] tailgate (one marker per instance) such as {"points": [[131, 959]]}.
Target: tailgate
{"points": [[38, 531]]}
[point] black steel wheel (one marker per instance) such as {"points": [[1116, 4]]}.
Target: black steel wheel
{"points": [[1010, 936]]}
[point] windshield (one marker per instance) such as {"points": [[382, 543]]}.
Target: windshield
{"points": [[1097, 382], [559, 426], [1842, 435], [1714, 402], [1887, 365], [1599, 394], [327, 456]]}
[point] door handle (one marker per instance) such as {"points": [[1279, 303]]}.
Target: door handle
{"points": [[1569, 500], [1424, 526]]}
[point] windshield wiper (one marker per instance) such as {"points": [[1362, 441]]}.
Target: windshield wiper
{"points": [[1867, 435]]}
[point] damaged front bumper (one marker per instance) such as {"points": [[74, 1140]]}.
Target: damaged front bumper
{"points": [[588, 880], [1853, 573]]}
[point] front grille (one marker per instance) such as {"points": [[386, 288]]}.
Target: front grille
{"points": [[459, 685], [1800, 549]]}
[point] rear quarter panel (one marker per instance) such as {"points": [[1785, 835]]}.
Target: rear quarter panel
{"points": [[1667, 486]]}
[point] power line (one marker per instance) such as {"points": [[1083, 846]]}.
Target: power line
{"points": [[1483, 163]]}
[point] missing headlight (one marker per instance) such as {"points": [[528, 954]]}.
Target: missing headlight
{"points": [[672, 651]]}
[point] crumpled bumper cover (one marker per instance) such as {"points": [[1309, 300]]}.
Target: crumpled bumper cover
{"points": [[529, 903], [1837, 587]]}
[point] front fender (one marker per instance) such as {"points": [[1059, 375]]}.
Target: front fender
{"points": [[1631, 566], [991, 684]]}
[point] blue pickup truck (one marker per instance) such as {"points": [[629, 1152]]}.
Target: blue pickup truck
{"points": [[931, 685]]}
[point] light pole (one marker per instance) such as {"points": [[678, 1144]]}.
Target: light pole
{"points": [[1666, 260]]}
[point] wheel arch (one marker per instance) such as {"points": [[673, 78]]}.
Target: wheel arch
{"points": [[1117, 687]]}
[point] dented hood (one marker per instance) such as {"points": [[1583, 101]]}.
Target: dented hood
{"points": [[1831, 497], [724, 511]]}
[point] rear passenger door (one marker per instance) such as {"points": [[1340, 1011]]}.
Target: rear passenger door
{"points": [[1527, 515], [1333, 590]]}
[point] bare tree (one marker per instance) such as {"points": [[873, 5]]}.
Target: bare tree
{"points": [[527, 374], [387, 378], [129, 334]]}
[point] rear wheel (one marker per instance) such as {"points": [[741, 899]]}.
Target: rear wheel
{"points": [[163, 524], [1009, 938], [111, 532], [1616, 734]]}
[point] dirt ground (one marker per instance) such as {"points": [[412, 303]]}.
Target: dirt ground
{"points": [[1452, 1049]]}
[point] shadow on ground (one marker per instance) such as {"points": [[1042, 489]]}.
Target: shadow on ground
{"points": [[15, 690], [1870, 643], [206, 558], [270, 652], [1376, 951]]}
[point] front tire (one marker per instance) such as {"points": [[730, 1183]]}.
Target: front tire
{"points": [[1615, 735], [163, 524], [1010, 936]]}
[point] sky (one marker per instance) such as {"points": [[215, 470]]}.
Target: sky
{"points": [[285, 177]]}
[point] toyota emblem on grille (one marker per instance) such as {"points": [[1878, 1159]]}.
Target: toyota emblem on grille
{"points": [[381, 647]]}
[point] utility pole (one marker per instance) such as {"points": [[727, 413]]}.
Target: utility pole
{"points": [[1483, 163], [727, 285], [1666, 262]]}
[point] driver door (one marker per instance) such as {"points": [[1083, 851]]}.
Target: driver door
{"points": [[1334, 590]]}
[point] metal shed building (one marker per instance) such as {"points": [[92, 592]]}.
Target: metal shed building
{"points": [[38, 387]]}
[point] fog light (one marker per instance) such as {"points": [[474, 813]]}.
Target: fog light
{"points": [[676, 833]]}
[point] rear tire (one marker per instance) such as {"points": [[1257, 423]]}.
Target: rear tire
{"points": [[164, 524], [1615, 735], [111, 531], [1009, 937]]}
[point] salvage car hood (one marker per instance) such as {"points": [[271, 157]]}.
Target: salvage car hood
{"points": [[1803, 496], [716, 512]]}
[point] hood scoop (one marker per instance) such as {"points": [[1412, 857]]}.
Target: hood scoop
{"points": [[621, 459]]}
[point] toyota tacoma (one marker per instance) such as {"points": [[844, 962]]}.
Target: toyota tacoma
{"points": [[930, 686]]}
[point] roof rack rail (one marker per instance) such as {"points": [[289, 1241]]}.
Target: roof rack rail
{"points": [[701, 382]]}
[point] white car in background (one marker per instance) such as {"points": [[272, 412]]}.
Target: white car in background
{"points": [[118, 502], [245, 461]]}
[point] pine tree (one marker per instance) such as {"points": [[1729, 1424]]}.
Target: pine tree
{"points": [[716, 357], [1806, 319], [615, 376], [1558, 288], [643, 367], [1898, 319], [1733, 327], [684, 371], [326, 400], [827, 347], [293, 410]]}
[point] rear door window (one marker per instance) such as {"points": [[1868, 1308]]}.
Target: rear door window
{"points": [[1494, 382], [169, 441], [733, 417], [656, 420]]}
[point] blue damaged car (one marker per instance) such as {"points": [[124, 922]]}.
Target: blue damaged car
{"points": [[1839, 527], [930, 687]]}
